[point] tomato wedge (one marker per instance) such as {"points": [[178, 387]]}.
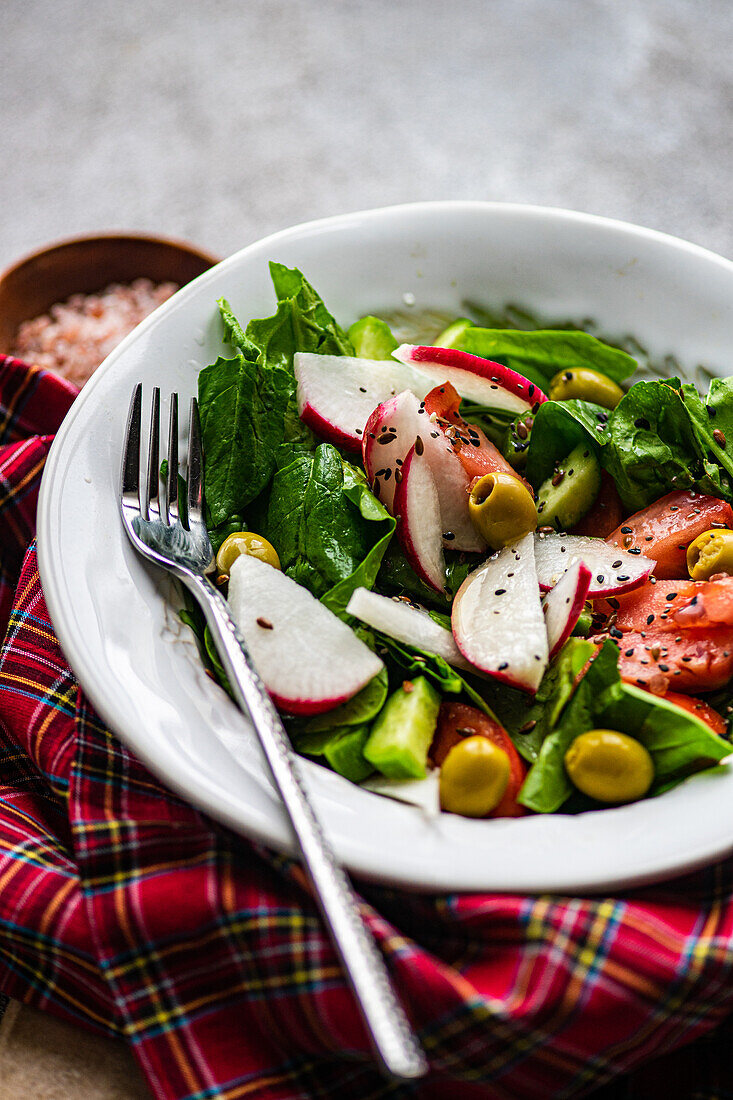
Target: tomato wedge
{"points": [[456, 721], [665, 529], [606, 513], [477, 453], [691, 661], [674, 605], [701, 709]]}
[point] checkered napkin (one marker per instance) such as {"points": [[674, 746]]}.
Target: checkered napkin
{"points": [[127, 911]]}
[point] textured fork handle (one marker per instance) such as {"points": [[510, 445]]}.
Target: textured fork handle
{"points": [[393, 1038]]}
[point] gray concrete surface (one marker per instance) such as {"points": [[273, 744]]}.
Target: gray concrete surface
{"points": [[221, 120]]}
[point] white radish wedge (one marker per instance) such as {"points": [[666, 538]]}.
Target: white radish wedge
{"points": [[406, 622], [391, 431], [309, 660], [476, 379], [419, 529], [497, 618], [337, 393], [389, 434], [564, 603], [613, 571]]}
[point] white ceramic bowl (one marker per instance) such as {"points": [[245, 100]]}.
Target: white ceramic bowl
{"points": [[117, 623]]}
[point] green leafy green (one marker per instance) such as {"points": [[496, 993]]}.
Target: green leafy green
{"points": [[679, 742], [242, 409], [559, 427], [654, 446], [527, 719], [417, 662], [540, 354], [329, 530], [397, 575], [247, 404], [363, 707], [711, 417]]}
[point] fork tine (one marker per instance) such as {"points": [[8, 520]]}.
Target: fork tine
{"points": [[171, 480], [152, 503], [131, 452], [194, 472]]}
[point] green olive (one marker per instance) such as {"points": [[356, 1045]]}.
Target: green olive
{"points": [[609, 766], [245, 542], [586, 385], [474, 777], [710, 553], [502, 509]]}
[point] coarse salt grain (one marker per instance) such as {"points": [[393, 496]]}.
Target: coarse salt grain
{"points": [[75, 336]]}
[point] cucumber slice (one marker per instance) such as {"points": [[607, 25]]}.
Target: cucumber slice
{"points": [[345, 754], [577, 483], [401, 736], [452, 336], [372, 339]]}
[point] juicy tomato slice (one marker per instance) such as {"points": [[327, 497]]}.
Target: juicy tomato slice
{"points": [[665, 529], [477, 453], [673, 605], [691, 661], [701, 709], [458, 720], [606, 513]]}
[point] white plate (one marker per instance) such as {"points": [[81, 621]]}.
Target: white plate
{"points": [[118, 626]]}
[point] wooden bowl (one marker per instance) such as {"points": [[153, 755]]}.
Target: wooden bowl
{"points": [[87, 265]]}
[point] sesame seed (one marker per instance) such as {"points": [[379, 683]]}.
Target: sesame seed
{"points": [[265, 624]]}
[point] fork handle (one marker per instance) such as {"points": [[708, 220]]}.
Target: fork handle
{"points": [[394, 1041]]}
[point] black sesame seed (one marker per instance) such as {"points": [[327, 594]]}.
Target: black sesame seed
{"points": [[671, 596], [419, 446], [448, 536], [629, 653], [500, 591], [616, 564], [664, 668], [362, 389], [634, 550], [649, 620], [600, 578], [503, 665], [626, 530], [621, 577]]}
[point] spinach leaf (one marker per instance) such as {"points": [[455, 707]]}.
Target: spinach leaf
{"points": [[242, 410], [420, 663], [363, 707], [248, 405], [397, 575], [547, 785], [559, 426], [329, 530], [653, 448], [540, 354], [529, 720], [680, 744], [713, 415]]}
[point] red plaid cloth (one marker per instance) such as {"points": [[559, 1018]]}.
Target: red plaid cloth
{"points": [[127, 911]]}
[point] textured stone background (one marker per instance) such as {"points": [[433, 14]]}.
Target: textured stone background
{"points": [[223, 120]]}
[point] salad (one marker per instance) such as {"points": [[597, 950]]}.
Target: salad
{"points": [[489, 566]]}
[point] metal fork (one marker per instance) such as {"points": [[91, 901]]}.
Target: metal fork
{"points": [[156, 530]]}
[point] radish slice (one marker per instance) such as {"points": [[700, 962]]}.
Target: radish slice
{"points": [[613, 571], [419, 529], [309, 660], [476, 379], [564, 604], [406, 622], [391, 431], [389, 434], [337, 393], [497, 618]]}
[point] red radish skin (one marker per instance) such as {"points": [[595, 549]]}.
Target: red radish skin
{"points": [[497, 618], [477, 379], [419, 529], [613, 571], [563, 605], [328, 431], [310, 661]]}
